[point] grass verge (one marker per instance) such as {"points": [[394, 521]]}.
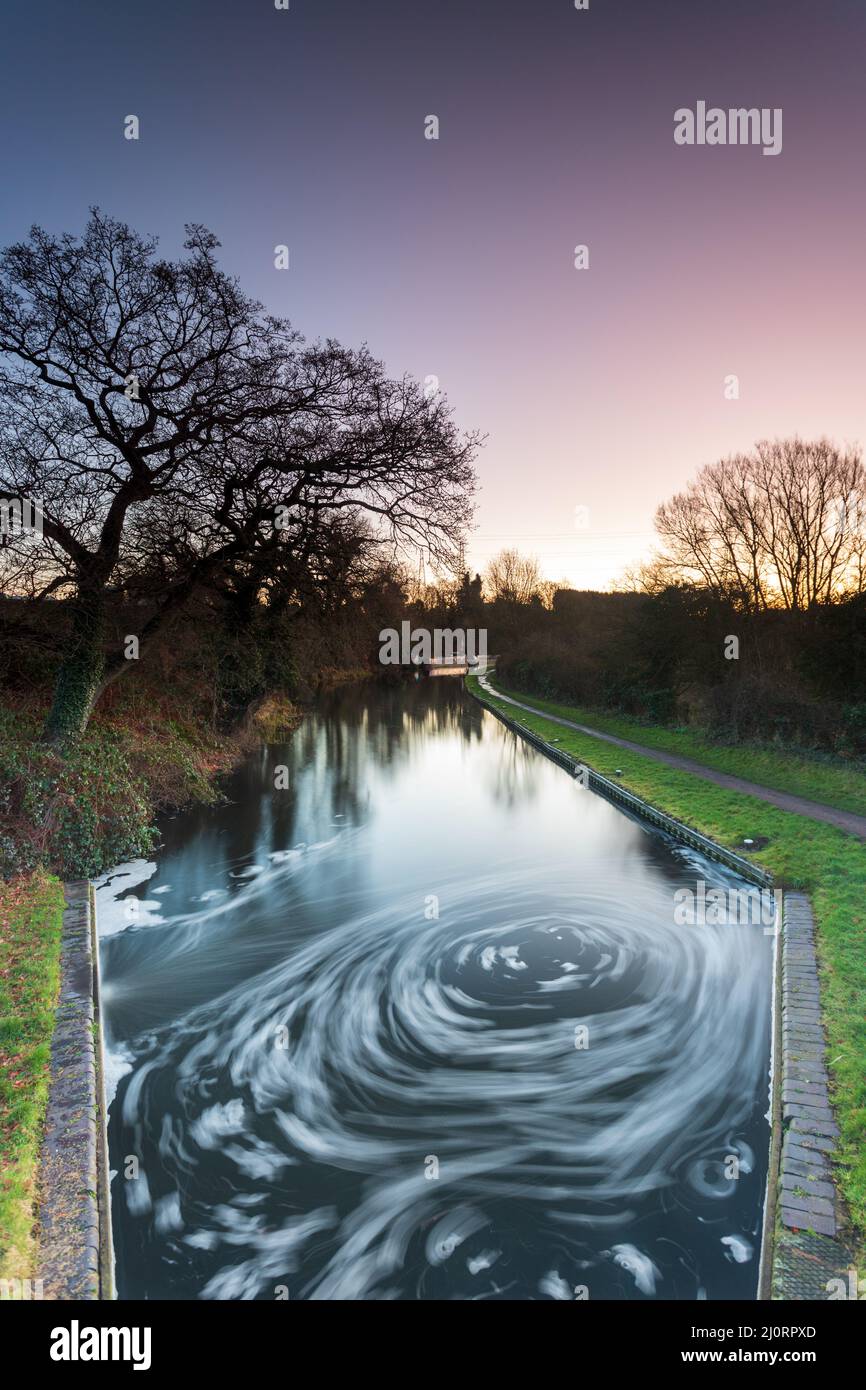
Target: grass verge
{"points": [[31, 915], [819, 859], [819, 778]]}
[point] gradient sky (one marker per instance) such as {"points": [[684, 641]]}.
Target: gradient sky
{"points": [[600, 389]]}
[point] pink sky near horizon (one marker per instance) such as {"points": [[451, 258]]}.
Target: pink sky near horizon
{"points": [[732, 263]]}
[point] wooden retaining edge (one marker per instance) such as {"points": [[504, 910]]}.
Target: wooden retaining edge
{"points": [[634, 804], [71, 1232]]}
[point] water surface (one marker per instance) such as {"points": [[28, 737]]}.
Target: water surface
{"points": [[422, 1024]]}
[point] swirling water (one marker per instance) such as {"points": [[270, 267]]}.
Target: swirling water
{"points": [[423, 1025]]}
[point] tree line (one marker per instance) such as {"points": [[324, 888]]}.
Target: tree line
{"points": [[231, 509], [186, 447], [749, 619]]}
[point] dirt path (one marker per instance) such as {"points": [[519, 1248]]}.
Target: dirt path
{"points": [[786, 801]]}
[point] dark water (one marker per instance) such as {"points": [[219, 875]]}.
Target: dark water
{"points": [[332, 1092]]}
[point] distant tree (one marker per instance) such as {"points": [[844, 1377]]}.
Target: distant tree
{"points": [[548, 589], [512, 578], [783, 526], [177, 435], [470, 600]]}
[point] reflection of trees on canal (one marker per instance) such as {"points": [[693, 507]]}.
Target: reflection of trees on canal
{"points": [[351, 734], [395, 725], [387, 714], [515, 775]]}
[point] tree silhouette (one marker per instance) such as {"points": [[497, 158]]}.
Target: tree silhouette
{"points": [[781, 527], [174, 432]]}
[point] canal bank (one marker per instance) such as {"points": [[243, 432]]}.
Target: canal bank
{"points": [[75, 1254], [807, 1252]]}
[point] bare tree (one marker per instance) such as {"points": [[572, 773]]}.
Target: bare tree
{"points": [[173, 431], [512, 577], [783, 526]]}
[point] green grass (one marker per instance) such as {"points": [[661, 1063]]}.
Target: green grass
{"points": [[818, 778], [819, 859], [31, 912]]}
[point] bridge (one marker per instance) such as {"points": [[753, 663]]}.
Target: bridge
{"points": [[450, 666]]}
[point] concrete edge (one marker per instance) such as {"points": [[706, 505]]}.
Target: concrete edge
{"points": [[70, 1237], [802, 1249]]}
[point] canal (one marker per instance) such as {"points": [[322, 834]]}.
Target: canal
{"points": [[410, 1016]]}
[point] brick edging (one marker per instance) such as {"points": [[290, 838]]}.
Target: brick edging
{"points": [[809, 1251], [69, 1227]]}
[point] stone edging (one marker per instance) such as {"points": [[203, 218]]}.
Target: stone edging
{"points": [[808, 1251], [69, 1226]]}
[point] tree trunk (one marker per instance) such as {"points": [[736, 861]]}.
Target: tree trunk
{"points": [[82, 670]]}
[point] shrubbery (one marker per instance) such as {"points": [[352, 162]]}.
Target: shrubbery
{"points": [[79, 813], [660, 658], [213, 687]]}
